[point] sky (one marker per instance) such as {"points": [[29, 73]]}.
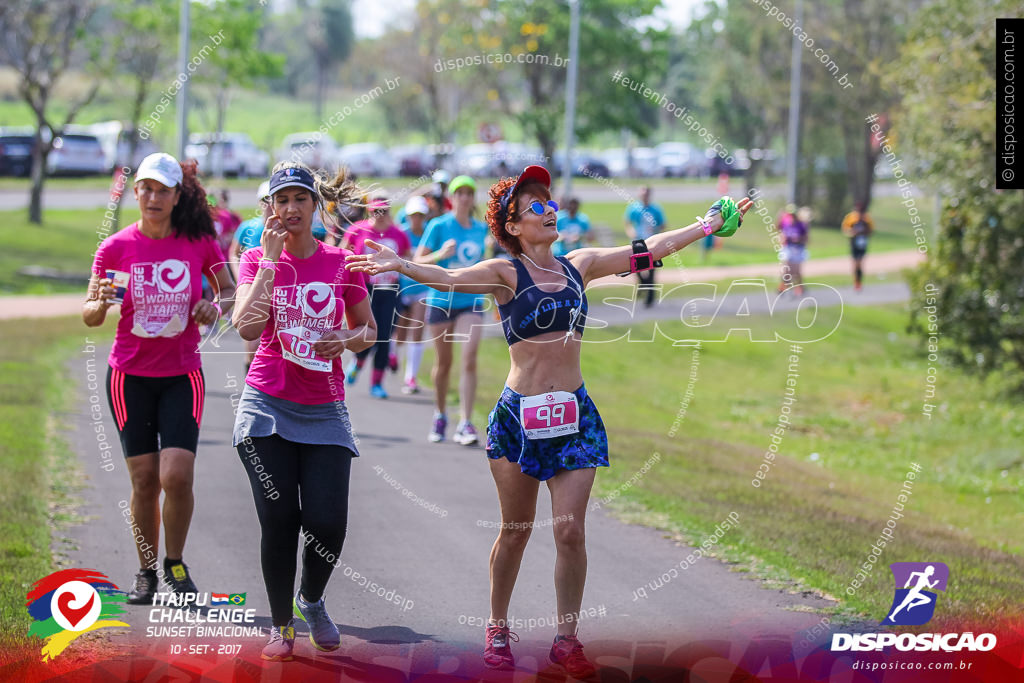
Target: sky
{"points": [[372, 16]]}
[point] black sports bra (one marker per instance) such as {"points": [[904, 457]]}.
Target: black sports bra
{"points": [[532, 312]]}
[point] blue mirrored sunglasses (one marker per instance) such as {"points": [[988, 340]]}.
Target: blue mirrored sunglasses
{"points": [[539, 207]]}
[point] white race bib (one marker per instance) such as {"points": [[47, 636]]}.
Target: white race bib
{"points": [[545, 416], [297, 347]]}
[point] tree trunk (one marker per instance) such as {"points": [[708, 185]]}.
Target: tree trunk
{"points": [[40, 152], [321, 89]]}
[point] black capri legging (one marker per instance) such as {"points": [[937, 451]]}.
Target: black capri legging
{"points": [[297, 486], [383, 303]]}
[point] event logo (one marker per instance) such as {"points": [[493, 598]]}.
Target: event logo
{"points": [[316, 299], [172, 275], [70, 602], [914, 603]]}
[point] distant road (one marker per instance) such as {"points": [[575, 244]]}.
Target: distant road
{"points": [[615, 189]]}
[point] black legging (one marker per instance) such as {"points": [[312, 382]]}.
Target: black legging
{"points": [[311, 483], [647, 282], [383, 302]]}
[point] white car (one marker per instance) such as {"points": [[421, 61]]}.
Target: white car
{"points": [[680, 160], [76, 154], [227, 154], [116, 141], [316, 150], [368, 159]]}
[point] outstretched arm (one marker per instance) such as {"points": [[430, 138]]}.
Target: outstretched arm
{"points": [[596, 262], [487, 277]]}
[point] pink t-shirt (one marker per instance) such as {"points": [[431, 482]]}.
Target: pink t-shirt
{"points": [[156, 335], [393, 237], [309, 299]]}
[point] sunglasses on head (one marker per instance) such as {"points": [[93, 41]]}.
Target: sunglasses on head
{"points": [[539, 207]]}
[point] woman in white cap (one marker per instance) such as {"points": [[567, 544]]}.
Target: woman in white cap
{"points": [[154, 268], [545, 427]]}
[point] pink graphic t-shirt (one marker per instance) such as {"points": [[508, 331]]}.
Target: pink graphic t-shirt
{"points": [[393, 237], [156, 335], [309, 299]]}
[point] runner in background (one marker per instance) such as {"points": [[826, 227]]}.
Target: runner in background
{"points": [[155, 384], [411, 307], [454, 240], [645, 219], [227, 221], [247, 237], [383, 289], [573, 229], [858, 226], [545, 427], [292, 429], [793, 224]]}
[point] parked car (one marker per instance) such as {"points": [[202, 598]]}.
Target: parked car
{"points": [[680, 160], [413, 160], [16, 151], [115, 138], [227, 154], [316, 150], [584, 164], [496, 159], [368, 159], [76, 154]]}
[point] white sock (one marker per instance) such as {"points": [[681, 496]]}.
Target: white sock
{"points": [[413, 356]]}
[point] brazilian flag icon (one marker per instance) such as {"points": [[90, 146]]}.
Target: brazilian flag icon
{"points": [[237, 598]]}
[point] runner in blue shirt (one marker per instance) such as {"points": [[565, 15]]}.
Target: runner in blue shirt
{"points": [[454, 240], [411, 307], [573, 229], [643, 220]]}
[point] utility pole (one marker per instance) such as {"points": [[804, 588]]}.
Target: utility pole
{"points": [[793, 144], [570, 95], [181, 103]]}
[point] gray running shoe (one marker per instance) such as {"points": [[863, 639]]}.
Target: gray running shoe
{"points": [[322, 631], [279, 646]]}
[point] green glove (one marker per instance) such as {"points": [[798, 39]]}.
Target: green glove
{"points": [[730, 216]]}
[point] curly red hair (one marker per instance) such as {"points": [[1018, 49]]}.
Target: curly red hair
{"points": [[497, 217]]}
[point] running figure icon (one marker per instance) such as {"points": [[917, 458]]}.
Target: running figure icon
{"points": [[915, 597]]}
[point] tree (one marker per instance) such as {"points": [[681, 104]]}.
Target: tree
{"points": [[143, 34], [330, 38], [40, 39], [969, 294], [743, 61], [613, 39], [231, 57]]}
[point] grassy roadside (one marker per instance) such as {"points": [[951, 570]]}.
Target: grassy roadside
{"points": [[856, 428], [39, 468]]}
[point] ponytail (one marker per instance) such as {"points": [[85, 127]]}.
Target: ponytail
{"points": [[192, 216]]}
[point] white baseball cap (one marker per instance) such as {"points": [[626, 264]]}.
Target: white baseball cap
{"points": [[264, 191], [416, 204], [160, 167], [441, 176]]}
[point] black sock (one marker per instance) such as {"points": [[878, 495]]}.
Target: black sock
{"points": [[147, 571], [168, 562]]}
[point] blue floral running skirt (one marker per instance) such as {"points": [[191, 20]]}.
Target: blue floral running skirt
{"points": [[544, 458]]}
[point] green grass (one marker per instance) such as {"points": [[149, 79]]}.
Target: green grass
{"points": [[859, 400], [39, 468]]}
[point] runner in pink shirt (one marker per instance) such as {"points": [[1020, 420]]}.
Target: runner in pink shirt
{"points": [[383, 288], [154, 269], [292, 429]]}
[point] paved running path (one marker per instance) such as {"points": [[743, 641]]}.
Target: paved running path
{"points": [[421, 528]]}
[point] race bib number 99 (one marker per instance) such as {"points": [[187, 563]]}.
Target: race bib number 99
{"points": [[545, 416]]}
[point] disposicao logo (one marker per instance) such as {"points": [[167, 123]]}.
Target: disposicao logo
{"points": [[913, 604], [70, 602], [914, 601]]}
